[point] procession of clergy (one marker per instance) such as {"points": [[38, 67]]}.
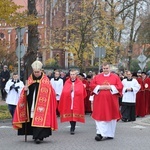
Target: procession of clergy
{"points": [[106, 96]]}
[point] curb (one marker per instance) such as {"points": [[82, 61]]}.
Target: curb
{"points": [[5, 120], [143, 121]]}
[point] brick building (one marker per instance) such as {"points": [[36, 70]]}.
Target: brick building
{"points": [[48, 14]]}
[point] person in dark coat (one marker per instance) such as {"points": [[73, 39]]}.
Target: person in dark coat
{"points": [[4, 77]]}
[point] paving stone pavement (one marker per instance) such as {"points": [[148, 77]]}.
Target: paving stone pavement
{"points": [[129, 136]]}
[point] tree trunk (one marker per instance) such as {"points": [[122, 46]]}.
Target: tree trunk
{"points": [[32, 40], [132, 35]]}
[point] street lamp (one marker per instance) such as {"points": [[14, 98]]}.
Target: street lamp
{"points": [[129, 56]]}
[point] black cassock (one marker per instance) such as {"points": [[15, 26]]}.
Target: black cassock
{"points": [[37, 132]]}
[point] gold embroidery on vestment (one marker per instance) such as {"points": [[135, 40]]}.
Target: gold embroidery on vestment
{"points": [[40, 109], [72, 115], [39, 119]]}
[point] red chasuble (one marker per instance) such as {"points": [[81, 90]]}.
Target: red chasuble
{"points": [[45, 107], [105, 104], [77, 113]]}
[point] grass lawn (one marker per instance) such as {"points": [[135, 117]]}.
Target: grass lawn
{"points": [[4, 112]]}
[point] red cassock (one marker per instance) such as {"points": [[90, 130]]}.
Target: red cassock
{"points": [[77, 113], [45, 107], [142, 98], [105, 104], [87, 102], [147, 95]]}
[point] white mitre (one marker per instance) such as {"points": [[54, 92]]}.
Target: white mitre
{"points": [[36, 65]]}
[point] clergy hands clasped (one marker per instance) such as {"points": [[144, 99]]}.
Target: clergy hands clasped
{"points": [[16, 88], [129, 89], [12, 86], [105, 87]]}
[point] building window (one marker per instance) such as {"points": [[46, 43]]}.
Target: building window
{"points": [[2, 35]]}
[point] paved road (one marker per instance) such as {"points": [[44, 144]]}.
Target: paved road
{"points": [[129, 136]]}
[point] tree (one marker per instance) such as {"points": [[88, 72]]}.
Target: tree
{"points": [[129, 14], [10, 15], [33, 39], [144, 35], [7, 9], [87, 27], [95, 23]]}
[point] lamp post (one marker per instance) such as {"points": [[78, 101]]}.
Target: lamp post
{"points": [[126, 60], [129, 61], [129, 56]]}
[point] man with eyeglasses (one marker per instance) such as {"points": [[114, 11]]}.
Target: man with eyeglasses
{"points": [[36, 110], [106, 88], [130, 89]]}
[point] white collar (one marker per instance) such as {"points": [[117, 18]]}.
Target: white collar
{"points": [[106, 75]]}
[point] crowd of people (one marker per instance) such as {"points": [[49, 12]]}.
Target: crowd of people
{"points": [[108, 97]]}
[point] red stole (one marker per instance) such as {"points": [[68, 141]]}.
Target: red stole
{"points": [[45, 107], [77, 113]]}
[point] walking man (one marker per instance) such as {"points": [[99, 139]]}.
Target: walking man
{"points": [[36, 110], [106, 88], [130, 88], [13, 89], [57, 84], [71, 105]]}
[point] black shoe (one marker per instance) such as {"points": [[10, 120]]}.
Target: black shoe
{"points": [[72, 131], [109, 138], [98, 137], [37, 141], [41, 139], [124, 120]]}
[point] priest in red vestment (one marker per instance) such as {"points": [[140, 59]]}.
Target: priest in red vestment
{"points": [[36, 110], [106, 87], [147, 95], [71, 105], [142, 98], [87, 103], [88, 108]]}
